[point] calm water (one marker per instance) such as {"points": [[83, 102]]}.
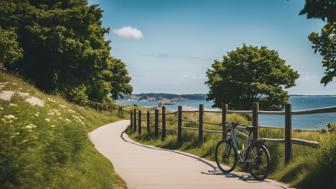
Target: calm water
{"points": [[317, 121]]}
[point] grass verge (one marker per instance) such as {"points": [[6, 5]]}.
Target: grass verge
{"points": [[48, 147]]}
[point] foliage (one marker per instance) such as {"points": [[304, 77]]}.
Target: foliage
{"points": [[316, 170], [250, 74], [324, 9], [10, 49], [64, 49], [48, 147], [325, 42]]}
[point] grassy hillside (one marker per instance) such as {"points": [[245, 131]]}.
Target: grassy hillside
{"points": [[48, 147], [310, 168]]}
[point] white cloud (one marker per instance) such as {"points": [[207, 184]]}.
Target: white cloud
{"points": [[129, 32]]}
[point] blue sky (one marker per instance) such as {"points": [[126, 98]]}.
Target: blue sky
{"points": [[168, 45]]}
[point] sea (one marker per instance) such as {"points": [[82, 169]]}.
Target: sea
{"points": [[307, 122]]}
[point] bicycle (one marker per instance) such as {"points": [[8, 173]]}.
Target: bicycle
{"points": [[256, 156]]}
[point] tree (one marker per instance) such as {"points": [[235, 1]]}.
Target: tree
{"points": [[10, 49], [323, 9], [64, 49], [325, 42], [249, 74]]}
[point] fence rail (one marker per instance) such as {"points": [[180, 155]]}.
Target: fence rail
{"points": [[287, 113], [105, 107]]}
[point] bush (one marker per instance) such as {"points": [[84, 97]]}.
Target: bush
{"points": [[10, 49]]}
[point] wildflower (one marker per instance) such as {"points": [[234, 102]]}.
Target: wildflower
{"points": [[8, 118], [30, 126], [47, 119], [62, 106], [51, 113], [78, 119], [12, 104], [1, 108], [72, 111], [51, 100], [68, 120], [52, 126], [17, 133], [37, 114]]}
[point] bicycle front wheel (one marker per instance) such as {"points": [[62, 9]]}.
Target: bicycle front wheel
{"points": [[258, 161], [226, 156]]}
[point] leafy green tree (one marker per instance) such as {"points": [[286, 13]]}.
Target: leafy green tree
{"points": [[324, 43], [323, 9], [10, 49], [249, 74], [64, 49]]}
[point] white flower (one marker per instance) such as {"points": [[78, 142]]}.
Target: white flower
{"points": [[78, 119], [52, 126], [17, 133], [30, 126], [47, 119], [72, 111], [62, 106], [37, 114], [1, 108], [51, 100], [53, 112], [8, 118], [68, 120]]}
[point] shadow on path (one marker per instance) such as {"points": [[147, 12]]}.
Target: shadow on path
{"points": [[213, 171]]}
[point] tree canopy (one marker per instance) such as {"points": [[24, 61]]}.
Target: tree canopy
{"points": [[250, 74], [323, 9], [64, 49], [10, 49], [324, 42]]}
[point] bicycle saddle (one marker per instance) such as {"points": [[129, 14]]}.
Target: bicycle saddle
{"points": [[250, 128]]}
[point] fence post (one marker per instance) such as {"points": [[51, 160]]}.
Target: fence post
{"points": [[131, 120], [255, 119], [288, 133], [224, 116], [148, 121], [163, 122], [139, 123], [156, 123], [134, 120], [179, 124], [200, 124]]}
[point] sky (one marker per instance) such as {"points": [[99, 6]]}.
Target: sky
{"points": [[168, 45]]}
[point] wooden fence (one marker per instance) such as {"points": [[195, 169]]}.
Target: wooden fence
{"points": [[287, 113], [106, 107]]}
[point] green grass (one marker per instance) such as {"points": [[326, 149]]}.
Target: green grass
{"points": [[310, 167], [48, 147]]}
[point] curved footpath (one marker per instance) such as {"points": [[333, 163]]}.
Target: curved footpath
{"points": [[148, 167]]}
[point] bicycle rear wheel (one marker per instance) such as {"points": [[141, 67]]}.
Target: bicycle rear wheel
{"points": [[258, 159], [226, 156]]}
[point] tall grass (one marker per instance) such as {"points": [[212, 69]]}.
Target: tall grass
{"points": [[48, 147]]}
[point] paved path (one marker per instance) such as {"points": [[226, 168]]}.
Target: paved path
{"points": [[150, 167]]}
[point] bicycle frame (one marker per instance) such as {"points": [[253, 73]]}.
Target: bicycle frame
{"points": [[234, 139]]}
